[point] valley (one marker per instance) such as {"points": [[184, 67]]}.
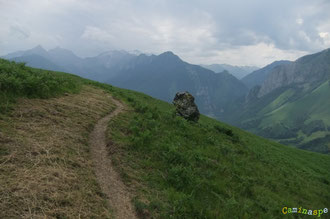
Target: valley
{"points": [[170, 167], [164, 109], [293, 113]]}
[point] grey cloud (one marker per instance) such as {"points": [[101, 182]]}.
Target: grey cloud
{"points": [[272, 21], [208, 31]]}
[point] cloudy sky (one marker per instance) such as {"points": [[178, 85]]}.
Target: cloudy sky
{"points": [[238, 32]]}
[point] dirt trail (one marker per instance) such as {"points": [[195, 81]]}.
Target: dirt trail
{"points": [[109, 180]]}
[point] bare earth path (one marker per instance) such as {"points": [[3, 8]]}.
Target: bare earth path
{"points": [[109, 180]]}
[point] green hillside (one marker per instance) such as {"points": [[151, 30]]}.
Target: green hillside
{"points": [[293, 116], [292, 104], [173, 168]]}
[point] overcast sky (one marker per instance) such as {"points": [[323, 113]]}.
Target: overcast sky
{"points": [[239, 32]]}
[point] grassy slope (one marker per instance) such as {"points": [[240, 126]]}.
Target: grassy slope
{"points": [[174, 168], [316, 104], [297, 115], [210, 170], [277, 103], [17, 80]]}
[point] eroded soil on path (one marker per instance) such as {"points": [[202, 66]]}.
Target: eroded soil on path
{"points": [[112, 186]]}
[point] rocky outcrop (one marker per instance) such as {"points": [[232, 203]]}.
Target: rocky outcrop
{"points": [[308, 69], [185, 106], [259, 76]]}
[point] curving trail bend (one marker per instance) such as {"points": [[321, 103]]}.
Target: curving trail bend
{"points": [[109, 180]]}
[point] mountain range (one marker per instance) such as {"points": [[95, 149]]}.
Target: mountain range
{"points": [[67, 144], [160, 76], [164, 75], [285, 101], [292, 104]]}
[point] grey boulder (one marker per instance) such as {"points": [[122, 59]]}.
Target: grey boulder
{"points": [[185, 106]]}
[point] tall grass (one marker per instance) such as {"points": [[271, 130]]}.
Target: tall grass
{"points": [[18, 80]]}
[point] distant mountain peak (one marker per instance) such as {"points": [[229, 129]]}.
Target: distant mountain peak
{"points": [[169, 55], [38, 50], [63, 56], [38, 47]]}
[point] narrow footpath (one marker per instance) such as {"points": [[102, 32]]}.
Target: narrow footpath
{"points": [[118, 197]]}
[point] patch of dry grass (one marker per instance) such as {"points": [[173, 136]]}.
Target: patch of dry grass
{"points": [[45, 164]]}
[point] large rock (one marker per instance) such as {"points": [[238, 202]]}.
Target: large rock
{"points": [[185, 106]]}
